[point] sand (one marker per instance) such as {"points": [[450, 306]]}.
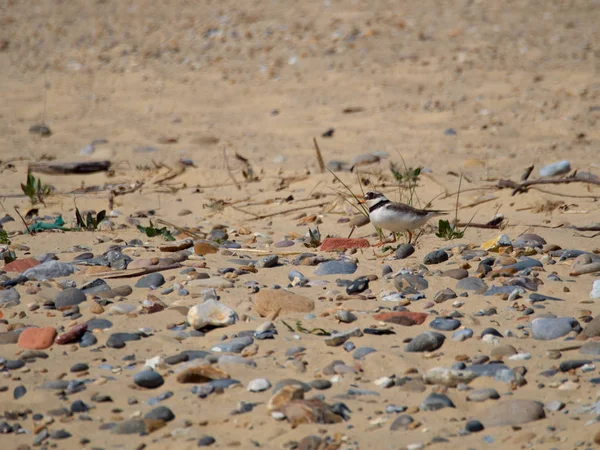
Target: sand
{"points": [[173, 80]]}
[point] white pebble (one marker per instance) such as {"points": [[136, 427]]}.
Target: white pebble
{"points": [[259, 385]]}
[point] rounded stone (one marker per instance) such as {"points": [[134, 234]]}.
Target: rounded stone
{"points": [[160, 413], [259, 385], [69, 297], [428, 341], [270, 301], [152, 280], [514, 412], [148, 379], [404, 251], [37, 338], [445, 324], [435, 257], [474, 426]]}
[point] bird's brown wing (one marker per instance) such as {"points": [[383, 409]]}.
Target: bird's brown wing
{"points": [[407, 209]]}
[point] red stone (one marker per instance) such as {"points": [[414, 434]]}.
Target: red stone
{"points": [[21, 265], [37, 338], [72, 335], [406, 318], [332, 244]]}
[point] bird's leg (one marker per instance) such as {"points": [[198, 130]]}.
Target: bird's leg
{"points": [[410, 235], [395, 237]]}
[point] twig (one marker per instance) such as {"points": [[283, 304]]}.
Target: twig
{"points": [[269, 252], [135, 272], [522, 187], [319, 156], [180, 229], [244, 211], [237, 185], [265, 216], [24, 223], [487, 226], [527, 172]]}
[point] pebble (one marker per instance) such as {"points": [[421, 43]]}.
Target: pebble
{"points": [[49, 270], [358, 286], [37, 338], [472, 284], [474, 426], [281, 302], [160, 413], [595, 292], [401, 422], [557, 168], [444, 324], [235, 345], [152, 280], [211, 313], [259, 385], [404, 251], [361, 352], [435, 257], [481, 395], [9, 297], [514, 412], [462, 335], [206, 441], [546, 329], [148, 379], [428, 341], [435, 402], [336, 267]]}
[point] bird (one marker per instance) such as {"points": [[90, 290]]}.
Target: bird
{"points": [[396, 217]]}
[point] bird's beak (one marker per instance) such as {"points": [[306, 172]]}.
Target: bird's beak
{"points": [[362, 200]]}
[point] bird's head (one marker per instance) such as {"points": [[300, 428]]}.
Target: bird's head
{"points": [[371, 198]]}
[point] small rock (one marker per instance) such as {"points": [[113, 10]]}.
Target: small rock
{"points": [[404, 251], [148, 379], [481, 395], [428, 341], [444, 324], [37, 338], [401, 422], [552, 328], [160, 413], [336, 267], [435, 402], [211, 313], [278, 301], [406, 318], [152, 280], [435, 257], [259, 385], [514, 412], [557, 168], [49, 270]]}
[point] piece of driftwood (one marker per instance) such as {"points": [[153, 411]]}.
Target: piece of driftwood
{"points": [[70, 168], [522, 187], [130, 273]]}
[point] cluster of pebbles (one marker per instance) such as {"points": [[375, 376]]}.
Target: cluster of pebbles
{"points": [[452, 344]]}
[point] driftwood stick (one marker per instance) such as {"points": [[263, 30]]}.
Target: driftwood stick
{"points": [[70, 168], [299, 208], [522, 187], [135, 272]]}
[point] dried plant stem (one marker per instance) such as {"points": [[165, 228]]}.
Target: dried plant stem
{"points": [[319, 156], [265, 216], [237, 185]]}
